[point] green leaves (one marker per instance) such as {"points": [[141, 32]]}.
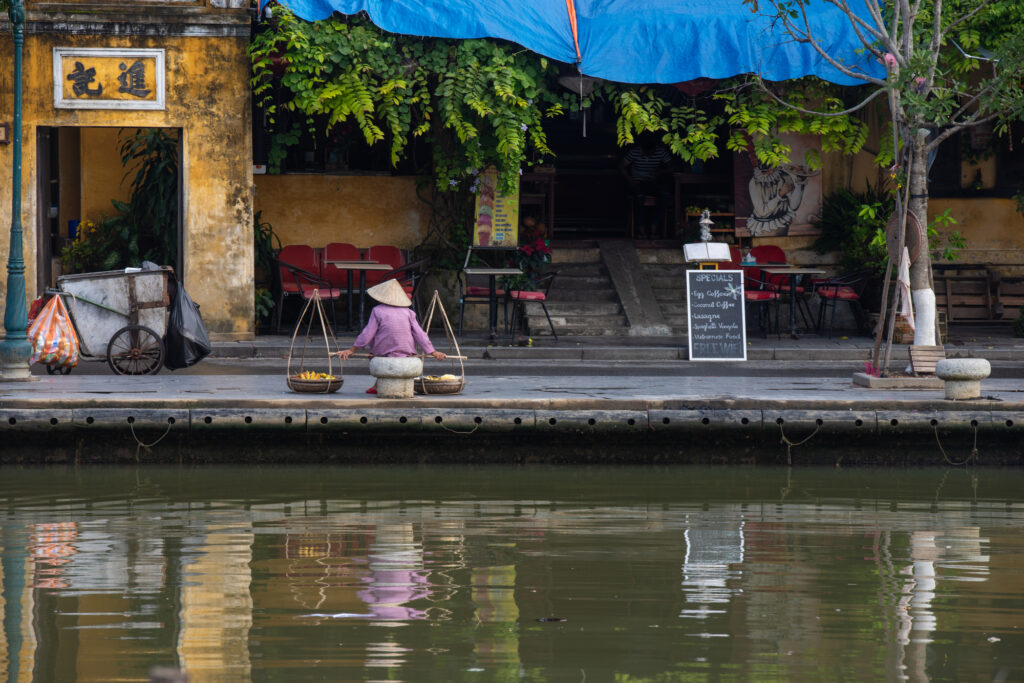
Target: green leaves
{"points": [[804, 106], [480, 101], [853, 224]]}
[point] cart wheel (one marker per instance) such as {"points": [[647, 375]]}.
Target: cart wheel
{"points": [[50, 370], [135, 350]]}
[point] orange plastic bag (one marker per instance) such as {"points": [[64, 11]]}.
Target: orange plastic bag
{"points": [[53, 337]]}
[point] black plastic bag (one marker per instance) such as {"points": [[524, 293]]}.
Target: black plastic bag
{"points": [[186, 341]]}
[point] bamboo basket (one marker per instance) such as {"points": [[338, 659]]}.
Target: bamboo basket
{"points": [[428, 386], [437, 387], [315, 310]]}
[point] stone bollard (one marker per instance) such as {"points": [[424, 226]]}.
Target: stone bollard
{"points": [[395, 375], [963, 376]]}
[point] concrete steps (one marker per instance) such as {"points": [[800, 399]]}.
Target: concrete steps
{"points": [[582, 300], [666, 271]]}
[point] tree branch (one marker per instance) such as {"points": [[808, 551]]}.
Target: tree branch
{"points": [[875, 33], [936, 42], [807, 37], [907, 48], [956, 128], [794, 107], [876, 16], [966, 17], [974, 98]]}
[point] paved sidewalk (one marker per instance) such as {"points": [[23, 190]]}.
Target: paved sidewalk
{"points": [[994, 343]]}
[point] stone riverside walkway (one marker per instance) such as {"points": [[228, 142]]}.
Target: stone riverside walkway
{"points": [[245, 411]]}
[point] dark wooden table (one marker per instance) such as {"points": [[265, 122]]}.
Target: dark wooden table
{"points": [[792, 273]]}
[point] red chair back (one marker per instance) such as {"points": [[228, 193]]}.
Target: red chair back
{"points": [[301, 256], [768, 253], [736, 256], [383, 253], [338, 251]]}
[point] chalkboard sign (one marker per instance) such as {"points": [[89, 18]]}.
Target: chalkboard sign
{"points": [[714, 310]]}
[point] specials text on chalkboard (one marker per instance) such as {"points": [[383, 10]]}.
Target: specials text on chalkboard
{"points": [[714, 309]]}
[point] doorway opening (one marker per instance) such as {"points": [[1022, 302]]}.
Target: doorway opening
{"points": [[591, 193], [107, 198]]}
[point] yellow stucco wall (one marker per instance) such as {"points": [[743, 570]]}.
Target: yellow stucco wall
{"points": [[993, 229], [102, 176], [207, 96], [360, 210]]}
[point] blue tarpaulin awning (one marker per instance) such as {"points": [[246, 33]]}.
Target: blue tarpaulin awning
{"points": [[630, 41]]}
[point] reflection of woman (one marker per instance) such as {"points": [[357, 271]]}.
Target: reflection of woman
{"points": [[397, 577], [776, 194]]}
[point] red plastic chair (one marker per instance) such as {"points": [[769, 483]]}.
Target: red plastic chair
{"points": [[756, 292], [843, 288], [769, 253], [338, 251], [478, 293], [521, 297], [383, 253], [299, 274]]}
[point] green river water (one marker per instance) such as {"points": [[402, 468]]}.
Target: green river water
{"points": [[492, 573]]}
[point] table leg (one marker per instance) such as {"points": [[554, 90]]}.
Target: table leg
{"points": [[493, 306], [362, 297], [792, 307], [350, 301]]}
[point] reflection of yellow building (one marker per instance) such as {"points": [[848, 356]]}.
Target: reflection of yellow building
{"points": [[216, 608]]}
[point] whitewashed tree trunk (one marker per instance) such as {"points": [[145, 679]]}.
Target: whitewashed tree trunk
{"points": [[920, 270]]}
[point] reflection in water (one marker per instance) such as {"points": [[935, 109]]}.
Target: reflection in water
{"points": [[216, 604], [51, 546], [396, 575], [485, 574], [713, 556]]}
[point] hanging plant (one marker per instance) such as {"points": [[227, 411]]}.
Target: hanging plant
{"points": [[477, 102]]}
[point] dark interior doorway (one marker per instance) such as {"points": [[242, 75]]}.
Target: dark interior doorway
{"points": [[68, 160], [591, 195]]}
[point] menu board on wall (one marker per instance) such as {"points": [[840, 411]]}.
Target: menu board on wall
{"points": [[715, 313], [497, 214]]}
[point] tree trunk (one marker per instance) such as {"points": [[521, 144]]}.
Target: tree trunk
{"points": [[921, 270]]}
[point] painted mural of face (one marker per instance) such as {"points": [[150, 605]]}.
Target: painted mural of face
{"points": [[776, 194]]}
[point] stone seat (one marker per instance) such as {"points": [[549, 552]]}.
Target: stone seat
{"points": [[963, 376]]}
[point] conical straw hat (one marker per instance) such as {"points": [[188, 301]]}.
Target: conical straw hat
{"points": [[391, 293]]}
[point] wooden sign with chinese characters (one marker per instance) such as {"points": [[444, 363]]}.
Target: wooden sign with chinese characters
{"points": [[108, 78], [497, 214]]}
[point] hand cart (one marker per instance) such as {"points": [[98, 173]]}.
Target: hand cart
{"points": [[122, 313]]}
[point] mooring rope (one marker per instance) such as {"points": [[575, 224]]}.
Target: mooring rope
{"points": [[147, 446], [789, 444], [970, 458], [456, 431]]}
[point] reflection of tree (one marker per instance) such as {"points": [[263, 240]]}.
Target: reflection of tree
{"points": [[776, 194]]}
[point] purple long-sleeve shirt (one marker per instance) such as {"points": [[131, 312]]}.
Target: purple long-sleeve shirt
{"points": [[393, 332]]}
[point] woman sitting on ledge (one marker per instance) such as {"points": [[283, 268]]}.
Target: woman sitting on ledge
{"points": [[392, 331]]}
